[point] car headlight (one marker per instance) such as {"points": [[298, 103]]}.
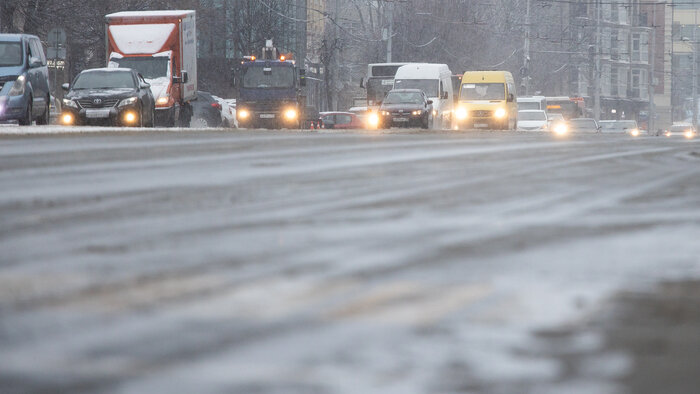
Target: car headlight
{"points": [[291, 114], [417, 113], [561, 129], [385, 113], [18, 86], [128, 101], [373, 119], [500, 113], [689, 134], [67, 119], [70, 103], [243, 113], [635, 132], [461, 113], [163, 100]]}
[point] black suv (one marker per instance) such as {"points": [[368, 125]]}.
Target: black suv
{"points": [[406, 108], [108, 96], [24, 80]]}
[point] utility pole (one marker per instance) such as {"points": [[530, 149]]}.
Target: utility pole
{"points": [[390, 32], [651, 124], [596, 104], [336, 58], [525, 73]]}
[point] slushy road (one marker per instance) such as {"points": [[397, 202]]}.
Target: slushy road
{"points": [[305, 262]]}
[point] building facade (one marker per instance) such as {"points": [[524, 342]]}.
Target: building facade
{"points": [[684, 70]]}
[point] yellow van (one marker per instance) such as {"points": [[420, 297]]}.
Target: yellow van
{"points": [[487, 99]]}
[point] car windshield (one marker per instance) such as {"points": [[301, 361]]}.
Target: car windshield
{"points": [[483, 91], [535, 115], [104, 80], [404, 98], [10, 54], [149, 67], [428, 86], [582, 124], [529, 105], [267, 77]]}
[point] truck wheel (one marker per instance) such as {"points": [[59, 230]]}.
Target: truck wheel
{"points": [[27, 119]]}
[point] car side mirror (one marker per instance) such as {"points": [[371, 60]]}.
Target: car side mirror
{"points": [[66, 86], [145, 85], [34, 62], [183, 78], [511, 98], [430, 102]]}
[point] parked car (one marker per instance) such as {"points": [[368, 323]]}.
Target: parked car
{"points": [[341, 120], [533, 120], [583, 125], [24, 80], [207, 111], [108, 96], [228, 113], [620, 126], [406, 108], [686, 130]]}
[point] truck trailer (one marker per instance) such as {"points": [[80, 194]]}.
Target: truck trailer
{"points": [[161, 46]]}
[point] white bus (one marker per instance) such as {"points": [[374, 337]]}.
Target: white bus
{"points": [[436, 81], [380, 80]]}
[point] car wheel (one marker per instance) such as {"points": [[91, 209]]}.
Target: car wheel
{"points": [[27, 119], [44, 119]]}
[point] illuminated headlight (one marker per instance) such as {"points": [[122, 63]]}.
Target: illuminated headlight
{"points": [[130, 117], [500, 113], [129, 101], [373, 119], [635, 132], [67, 119], [70, 103], [688, 134], [163, 100], [243, 114], [461, 113], [290, 114], [561, 129], [417, 113], [667, 134], [385, 113], [18, 86], [435, 112]]}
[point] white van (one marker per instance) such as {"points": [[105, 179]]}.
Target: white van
{"points": [[436, 81], [532, 103]]}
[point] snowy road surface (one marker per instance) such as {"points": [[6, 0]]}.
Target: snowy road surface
{"points": [[366, 262]]}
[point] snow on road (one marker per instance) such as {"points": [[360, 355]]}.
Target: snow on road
{"points": [[332, 263]]}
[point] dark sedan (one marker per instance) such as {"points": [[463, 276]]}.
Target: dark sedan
{"points": [[108, 97], [206, 111], [406, 108]]}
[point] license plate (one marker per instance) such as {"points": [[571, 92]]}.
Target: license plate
{"points": [[267, 116], [481, 125], [400, 119], [97, 113]]}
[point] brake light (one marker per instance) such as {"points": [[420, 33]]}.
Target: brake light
{"points": [[216, 105]]}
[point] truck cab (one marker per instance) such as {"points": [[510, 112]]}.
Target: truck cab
{"points": [[270, 93]]}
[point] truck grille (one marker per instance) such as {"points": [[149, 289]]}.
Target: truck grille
{"points": [[106, 103], [481, 114]]}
